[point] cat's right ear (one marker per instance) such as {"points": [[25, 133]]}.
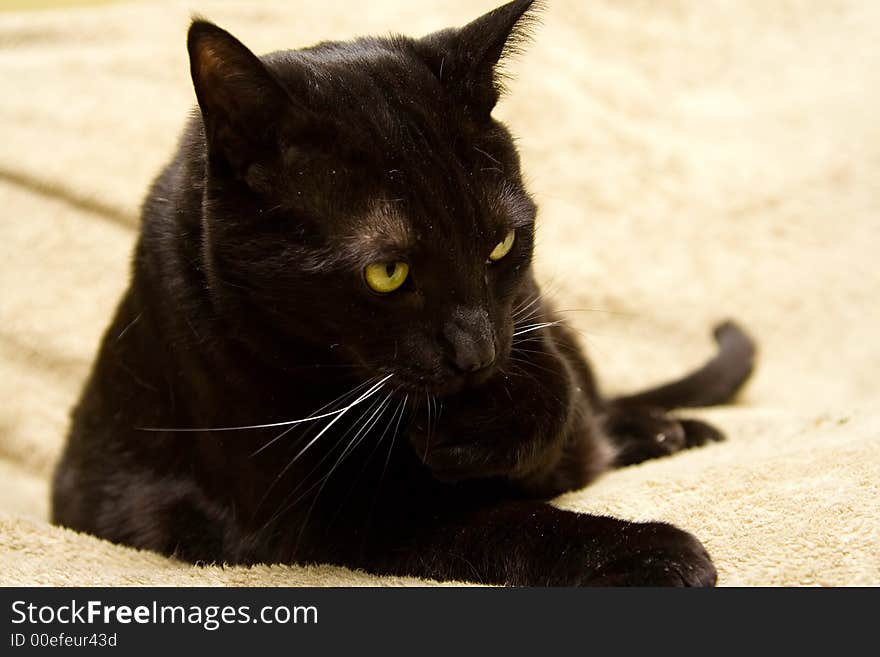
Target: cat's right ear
{"points": [[241, 101]]}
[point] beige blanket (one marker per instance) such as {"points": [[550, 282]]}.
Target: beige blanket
{"points": [[692, 161]]}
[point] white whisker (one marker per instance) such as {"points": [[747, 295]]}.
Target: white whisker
{"points": [[352, 445], [367, 394], [291, 428], [303, 450], [279, 424], [534, 327], [327, 454], [520, 310]]}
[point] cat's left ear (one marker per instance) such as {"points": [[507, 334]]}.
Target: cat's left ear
{"points": [[467, 60]]}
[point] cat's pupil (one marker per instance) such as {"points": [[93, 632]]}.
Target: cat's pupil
{"points": [[390, 268]]}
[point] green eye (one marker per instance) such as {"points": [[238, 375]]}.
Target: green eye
{"points": [[503, 247], [385, 277]]}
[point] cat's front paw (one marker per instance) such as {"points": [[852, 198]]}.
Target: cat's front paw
{"points": [[452, 457], [460, 462], [655, 554]]}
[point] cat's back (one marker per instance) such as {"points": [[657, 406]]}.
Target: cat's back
{"points": [[127, 375]]}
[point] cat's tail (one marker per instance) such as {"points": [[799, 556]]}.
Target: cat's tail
{"points": [[714, 383]]}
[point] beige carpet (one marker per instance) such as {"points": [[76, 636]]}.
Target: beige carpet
{"points": [[693, 160]]}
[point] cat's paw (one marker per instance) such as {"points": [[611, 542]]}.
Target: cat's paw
{"points": [[460, 462], [450, 459], [698, 433], [642, 433], [655, 554]]}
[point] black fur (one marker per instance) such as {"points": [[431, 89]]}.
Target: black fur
{"points": [[248, 306]]}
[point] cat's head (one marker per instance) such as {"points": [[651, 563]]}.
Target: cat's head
{"points": [[360, 194]]}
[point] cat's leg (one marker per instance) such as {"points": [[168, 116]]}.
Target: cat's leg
{"points": [[529, 543], [167, 515], [643, 433], [639, 426]]}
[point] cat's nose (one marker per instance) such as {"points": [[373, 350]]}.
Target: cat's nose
{"points": [[471, 340]]}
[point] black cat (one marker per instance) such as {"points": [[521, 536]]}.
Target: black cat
{"points": [[333, 348]]}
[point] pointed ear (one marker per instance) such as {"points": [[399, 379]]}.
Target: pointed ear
{"points": [[467, 61], [240, 99]]}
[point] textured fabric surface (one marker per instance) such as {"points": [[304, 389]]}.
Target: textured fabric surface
{"points": [[692, 161]]}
